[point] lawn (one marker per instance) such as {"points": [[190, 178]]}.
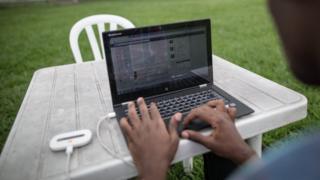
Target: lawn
{"points": [[36, 36]]}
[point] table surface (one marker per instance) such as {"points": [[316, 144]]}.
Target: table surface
{"points": [[70, 97]]}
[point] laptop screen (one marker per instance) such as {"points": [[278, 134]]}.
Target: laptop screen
{"points": [[159, 59]]}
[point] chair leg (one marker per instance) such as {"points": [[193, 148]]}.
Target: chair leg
{"points": [[187, 165], [255, 143]]}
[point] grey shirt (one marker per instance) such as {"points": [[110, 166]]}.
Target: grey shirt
{"points": [[296, 161]]}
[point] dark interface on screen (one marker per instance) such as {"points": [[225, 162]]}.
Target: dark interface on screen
{"points": [[160, 61]]}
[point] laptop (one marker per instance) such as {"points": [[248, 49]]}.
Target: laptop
{"points": [[169, 64]]}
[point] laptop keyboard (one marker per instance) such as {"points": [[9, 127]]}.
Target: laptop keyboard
{"points": [[185, 103]]}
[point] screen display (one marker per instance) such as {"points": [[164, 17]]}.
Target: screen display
{"points": [[162, 60]]}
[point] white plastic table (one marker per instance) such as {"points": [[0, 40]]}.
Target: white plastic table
{"points": [[75, 96]]}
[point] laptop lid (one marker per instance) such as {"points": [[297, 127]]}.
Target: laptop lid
{"points": [[152, 60]]}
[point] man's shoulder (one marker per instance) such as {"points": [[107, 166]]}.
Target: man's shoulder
{"points": [[298, 159]]}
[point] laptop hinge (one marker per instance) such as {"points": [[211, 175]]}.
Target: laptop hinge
{"points": [[203, 85]]}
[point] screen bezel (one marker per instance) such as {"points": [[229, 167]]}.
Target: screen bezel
{"points": [[107, 36]]}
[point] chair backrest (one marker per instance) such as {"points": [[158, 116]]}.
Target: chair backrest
{"points": [[87, 24]]}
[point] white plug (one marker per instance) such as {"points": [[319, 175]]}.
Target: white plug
{"points": [[74, 139], [111, 115], [68, 141]]}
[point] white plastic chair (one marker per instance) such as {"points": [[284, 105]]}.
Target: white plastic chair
{"points": [[87, 24]]}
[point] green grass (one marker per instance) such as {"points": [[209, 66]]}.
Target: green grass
{"points": [[36, 36]]}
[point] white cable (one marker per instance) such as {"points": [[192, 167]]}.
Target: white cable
{"points": [[69, 151], [110, 151]]}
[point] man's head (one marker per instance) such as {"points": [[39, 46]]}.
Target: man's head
{"points": [[298, 23]]}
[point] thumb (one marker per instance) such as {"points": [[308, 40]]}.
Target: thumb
{"points": [[174, 125], [197, 137]]}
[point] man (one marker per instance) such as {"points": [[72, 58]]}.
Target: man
{"points": [[153, 146]]}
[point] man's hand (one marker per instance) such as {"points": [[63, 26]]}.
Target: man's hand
{"points": [[151, 144], [225, 140]]}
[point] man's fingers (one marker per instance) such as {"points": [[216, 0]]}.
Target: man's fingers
{"points": [[133, 116], [174, 125], [201, 113], [154, 112], [125, 126], [143, 109], [196, 136], [191, 116], [218, 104], [232, 113]]}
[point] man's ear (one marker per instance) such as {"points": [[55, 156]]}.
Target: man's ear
{"points": [[298, 27]]}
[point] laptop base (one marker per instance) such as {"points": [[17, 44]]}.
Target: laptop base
{"points": [[242, 109]]}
